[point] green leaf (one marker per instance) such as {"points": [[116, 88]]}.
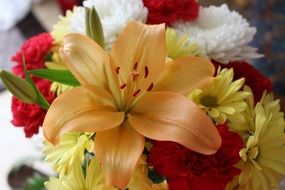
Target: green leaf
{"points": [[61, 76], [94, 29], [41, 101], [19, 87]]}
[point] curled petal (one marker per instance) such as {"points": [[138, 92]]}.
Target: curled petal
{"points": [[119, 149], [142, 48], [167, 116], [185, 74], [85, 108], [85, 59]]}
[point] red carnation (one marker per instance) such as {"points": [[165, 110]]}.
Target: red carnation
{"points": [[185, 169], [31, 116], [169, 11], [253, 78], [35, 50]]}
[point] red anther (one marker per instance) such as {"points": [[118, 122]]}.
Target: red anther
{"points": [[136, 93], [135, 65], [150, 87], [117, 69], [123, 86], [145, 71]]}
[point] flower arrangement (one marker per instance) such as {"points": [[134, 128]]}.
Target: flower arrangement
{"points": [[173, 104]]}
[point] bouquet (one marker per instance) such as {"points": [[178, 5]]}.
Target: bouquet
{"points": [[152, 94]]}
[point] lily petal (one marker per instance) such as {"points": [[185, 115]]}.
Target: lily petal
{"points": [[168, 116], [185, 74], [142, 48], [119, 149], [85, 59], [85, 108]]}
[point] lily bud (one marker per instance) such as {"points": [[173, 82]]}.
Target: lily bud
{"points": [[19, 87], [94, 29]]}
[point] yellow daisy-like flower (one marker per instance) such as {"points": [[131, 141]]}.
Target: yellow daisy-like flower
{"points": [[55, 62], [248, 124], [263, 154], [71, 145], [178, 46], [61, 28], [140, 180], [95, 180], [75, 179], [59, 88], [222, 99], [271, 107]]}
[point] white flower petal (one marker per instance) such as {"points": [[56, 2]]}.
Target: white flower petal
{"points": [[114, 16], [222, 34]]}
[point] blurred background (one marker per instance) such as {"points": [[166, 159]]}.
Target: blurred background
{"points": [[22, 19]]}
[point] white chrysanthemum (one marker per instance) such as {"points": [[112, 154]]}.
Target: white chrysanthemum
{"points": [[222, 35], [114, 16]]}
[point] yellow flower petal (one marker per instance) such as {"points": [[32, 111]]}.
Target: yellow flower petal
{"points": [[85, 59], [224, 96], [81, 109], [119, 149], [156, 116], [71, 147], [61, 28], [141, 48], [140, 180], [185, 74], [178, 46]]}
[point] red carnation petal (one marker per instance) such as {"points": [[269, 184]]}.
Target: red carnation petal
{"points": [[35, 50], [185, 169], [170, 11]]}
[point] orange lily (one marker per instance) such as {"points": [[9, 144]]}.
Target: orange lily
{"points": [[129, 95]]}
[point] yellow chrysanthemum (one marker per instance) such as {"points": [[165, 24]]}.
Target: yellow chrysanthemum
{"points": [[140, 180], [76, 180], [271, 107], [263, 155], [61, 28], [222, 99], [71, 145], [178, 46], [247, 125], [94, 178], [59, 88], [55, 62]]}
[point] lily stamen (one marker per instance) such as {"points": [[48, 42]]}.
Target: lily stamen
{"points": [[117, 70], [150, 87], [123, 86], [135, 65], [136, 93], [146, 72]]}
